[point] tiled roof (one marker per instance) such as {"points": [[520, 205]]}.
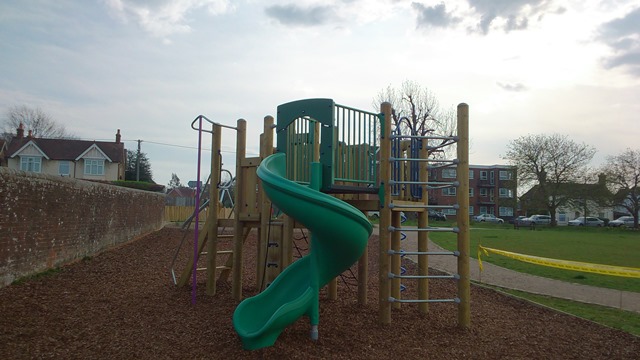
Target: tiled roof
{"points": [[65, 149], [183, 192]]}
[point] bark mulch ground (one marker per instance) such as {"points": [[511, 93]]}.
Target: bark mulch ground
{"points": [[122, 304]]}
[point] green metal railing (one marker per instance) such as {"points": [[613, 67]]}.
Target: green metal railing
{"points": [[346, 143], [358, 142]]}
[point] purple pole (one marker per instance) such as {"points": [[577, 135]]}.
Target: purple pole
{"points": [[195, 239]]}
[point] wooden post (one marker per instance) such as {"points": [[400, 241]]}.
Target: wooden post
{"points": [[241, 150], [188, 271], [212, 219], [464, 284], [385, 216], [423, 236], [266, 235]]}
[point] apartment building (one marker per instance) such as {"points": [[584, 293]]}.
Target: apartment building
{"points": [[492, 190]]}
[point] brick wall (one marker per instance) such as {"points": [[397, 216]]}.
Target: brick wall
{"points": [[48, 221]]}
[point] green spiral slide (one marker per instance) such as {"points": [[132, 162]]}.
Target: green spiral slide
{"points": [[339, 237]]}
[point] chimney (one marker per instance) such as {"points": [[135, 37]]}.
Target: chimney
{"points": [[20, 133], [602, 179], [118, 137], [30, 134]]}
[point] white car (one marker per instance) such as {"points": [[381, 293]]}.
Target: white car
{"points": [[588, 221], [626, 221], [536, 220], [376, 214], [488, 218]]}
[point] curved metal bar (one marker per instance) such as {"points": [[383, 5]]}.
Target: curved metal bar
{"points": [[202, 117], [226, 184]]}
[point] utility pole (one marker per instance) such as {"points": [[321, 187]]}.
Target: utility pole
{"points": [[138, 162]]}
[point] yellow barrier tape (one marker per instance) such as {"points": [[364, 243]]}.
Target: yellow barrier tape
{"points": [[565, 264], [480, 251]]}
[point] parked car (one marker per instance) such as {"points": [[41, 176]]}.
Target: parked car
{"points": [[376, 215], [488, 218], [536, 220], [588, 221], [517, 220], [437, 215], [626, 221]]}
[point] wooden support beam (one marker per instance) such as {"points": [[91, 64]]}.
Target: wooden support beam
{"points": [[239, 226], [186, 274], [212, 219], [385, 217], [462, 171]]}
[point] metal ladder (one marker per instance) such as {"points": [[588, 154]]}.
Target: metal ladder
{"points": [[396, 184]]}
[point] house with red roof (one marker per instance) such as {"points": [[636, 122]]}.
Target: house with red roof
{"points": [[80, 159], [181, 196]]}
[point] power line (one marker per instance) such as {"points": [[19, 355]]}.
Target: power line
{"points": [[188, 147], [172, 145]]}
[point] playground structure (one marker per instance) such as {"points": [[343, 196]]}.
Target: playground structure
{"points": [[332, 165]]}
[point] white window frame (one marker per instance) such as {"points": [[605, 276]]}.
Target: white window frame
{"points": [[449, 173], [484, 175], [470, 192], [470, 210], [94, 167], [484, 192], [60, 166], [31, 163], [505, 211], [450, 191], [505, 175], [507, 193], [449, 211], [470, 174], [562, 216]]}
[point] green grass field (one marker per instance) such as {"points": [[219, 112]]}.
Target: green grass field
{"points": [[618, 247], [624, 320]]}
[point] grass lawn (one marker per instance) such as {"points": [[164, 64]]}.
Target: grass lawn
{"points": [[618, 247], [624, 320]]}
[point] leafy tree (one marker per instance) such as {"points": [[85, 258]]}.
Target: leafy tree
{"points": [[41, 124], [550, 162], [623, 175], [131, 171], [174, 182]]}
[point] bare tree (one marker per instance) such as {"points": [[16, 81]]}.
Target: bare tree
{"points": [[552, 163], [623, 175], [174, 182], [40, 124], [416, 111]]}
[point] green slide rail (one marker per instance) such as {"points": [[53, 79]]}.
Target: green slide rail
{"points": [[339, 237]]}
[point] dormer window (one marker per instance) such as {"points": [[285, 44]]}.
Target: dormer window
{"points": [[31, 163], [63, 168], [93, 166]]}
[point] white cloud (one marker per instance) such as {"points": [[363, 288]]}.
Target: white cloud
{"points": [[163, 18], [510, 15]]}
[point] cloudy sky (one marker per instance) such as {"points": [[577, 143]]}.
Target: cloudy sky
{"points": [[149, 67]]}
